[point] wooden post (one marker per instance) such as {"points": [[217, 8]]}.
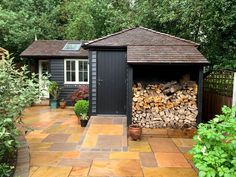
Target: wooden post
{"points": [[234, 91], [129, 94], [199, 96]]}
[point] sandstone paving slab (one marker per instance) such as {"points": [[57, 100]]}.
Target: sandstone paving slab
{"points": [[56, 138], [56, 151], [105, 129], [90, 141], [101, 120], [74, 138], [71, 155], [112, 141], [183, 142], [79, 171], [40, 146], [55, 129], [124, 155], [171, 160], [184, 149], [63, 147], [32, 170], [162, 145], [94, 155], [35, 137], [116, 168], [75, 162], [74, 129], [169, 172], [45, 158], [148, 159], [139, 146], [52, 172]]}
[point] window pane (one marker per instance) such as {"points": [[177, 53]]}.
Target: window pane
{"points": [[67, 65], [81, 76], [73, 65], [73, 76], [85, 76], [85, 66], [80, 65], [67, 76]]}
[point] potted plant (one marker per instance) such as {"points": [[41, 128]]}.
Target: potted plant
{"points": [[135, 132], [54, 91], [81, 110], [62, 104]]}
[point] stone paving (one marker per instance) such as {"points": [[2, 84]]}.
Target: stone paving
{"points": [[59, 147]]}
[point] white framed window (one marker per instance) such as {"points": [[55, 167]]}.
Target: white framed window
{"points": [[76, 71]]}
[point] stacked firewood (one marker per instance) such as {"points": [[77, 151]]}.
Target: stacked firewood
{"points": [[170, 104]]}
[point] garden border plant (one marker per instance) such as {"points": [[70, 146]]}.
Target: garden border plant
{"points": [[17, 91], [214, 154]]}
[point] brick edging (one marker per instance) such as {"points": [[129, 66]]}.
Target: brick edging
{"points": [[23, 158]]}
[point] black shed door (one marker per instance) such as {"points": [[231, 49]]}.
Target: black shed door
{"points": [[111, 79]]}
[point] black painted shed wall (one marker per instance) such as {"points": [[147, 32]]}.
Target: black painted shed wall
{"points": [[148, 73], [57, 74]]}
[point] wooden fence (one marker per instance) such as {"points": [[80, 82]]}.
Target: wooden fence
{"points": [[219, 89]]}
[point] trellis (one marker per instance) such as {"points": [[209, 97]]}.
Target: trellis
{"points": [[220, 82]]}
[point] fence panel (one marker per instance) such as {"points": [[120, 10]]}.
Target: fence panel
{"points": [[217, 91]]}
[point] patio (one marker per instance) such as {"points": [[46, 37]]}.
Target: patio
{"points": [[60, 147]]}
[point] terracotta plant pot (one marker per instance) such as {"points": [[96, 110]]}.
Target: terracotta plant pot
{"points": [[135, 132], [62, 104]]}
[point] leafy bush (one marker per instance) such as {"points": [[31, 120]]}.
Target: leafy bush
{"points": [[214, 154], [81, 108], [54, 90], [81, 93], [17, 91]]}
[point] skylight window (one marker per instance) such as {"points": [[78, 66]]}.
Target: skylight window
{"points": [[72, 46]]}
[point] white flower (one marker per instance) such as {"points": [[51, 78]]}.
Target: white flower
{"points": [[204, 150]]}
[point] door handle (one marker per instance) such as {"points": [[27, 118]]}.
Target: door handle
{"points": [[100, 80]]}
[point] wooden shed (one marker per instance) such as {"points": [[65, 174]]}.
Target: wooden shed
{"points": [[119, 60], [66, 62]]}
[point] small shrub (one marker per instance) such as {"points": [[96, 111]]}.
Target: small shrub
{"points": [[81, 93], [81, 108], [54, 90], [214, 154]]}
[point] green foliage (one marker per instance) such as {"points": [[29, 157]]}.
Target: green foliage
{"points": [[16, 92], [214, 154], [81, 109], [54, 90], [5, 170]]}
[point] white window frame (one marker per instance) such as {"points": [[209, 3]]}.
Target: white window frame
{"points": [[76, 71]]}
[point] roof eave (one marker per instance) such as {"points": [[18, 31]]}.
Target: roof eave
{"points": [[205, 63]]}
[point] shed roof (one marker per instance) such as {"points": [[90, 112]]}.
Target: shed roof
{"points": [[138, 36], [148, 46], [164, 54], [52, 48]]}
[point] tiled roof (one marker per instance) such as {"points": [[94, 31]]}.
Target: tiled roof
{"points": [[164, 54], [148, 46], [138, 36], [52, 48]]}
